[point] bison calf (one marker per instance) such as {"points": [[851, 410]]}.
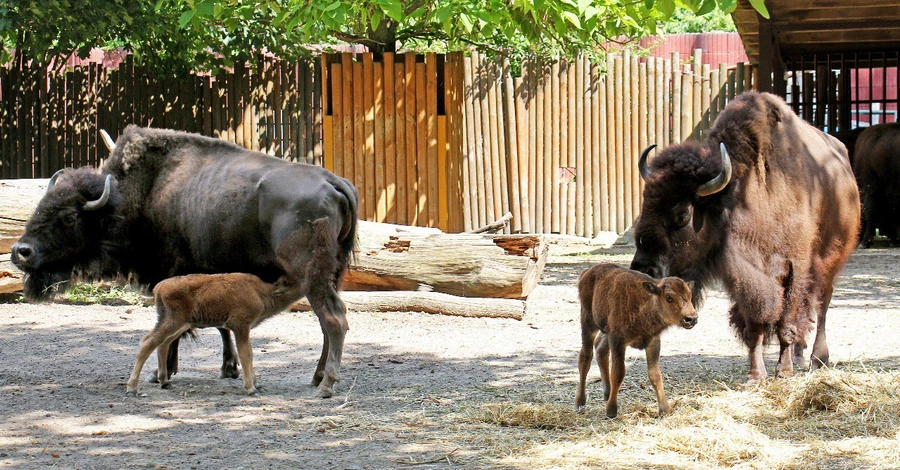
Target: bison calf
{"points": [[627, 308], [236, 301]]}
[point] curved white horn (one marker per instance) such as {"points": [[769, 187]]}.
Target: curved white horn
{"points": [[54, 178], [110, 144], [99, 203], [722, 179]]}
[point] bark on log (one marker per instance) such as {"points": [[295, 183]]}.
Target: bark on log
{"points": [[467, 265], [428, 302], [10, 276], [18, 199]]}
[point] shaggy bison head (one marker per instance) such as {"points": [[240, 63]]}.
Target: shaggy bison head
{"points": [[681, 223], [69, 233]]}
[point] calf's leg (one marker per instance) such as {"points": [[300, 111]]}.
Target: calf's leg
{"points": [[601, 346], [161, 335], [653, 371], [616, 374], [245, 352], [584, 365]]}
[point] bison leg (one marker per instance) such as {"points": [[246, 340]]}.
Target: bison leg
{"points": [[601, 346], [332, 317], [320, 366], [655, 374], [754, 338], [584, 365], [819, 356], [171, 363], [616, 374], [229, 356], [151, 341], [245, 352]]}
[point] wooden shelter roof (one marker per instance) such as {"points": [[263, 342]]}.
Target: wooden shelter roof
{"points": [[821, 26]]}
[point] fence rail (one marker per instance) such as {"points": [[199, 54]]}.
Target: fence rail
{"points": [[435, 140]]}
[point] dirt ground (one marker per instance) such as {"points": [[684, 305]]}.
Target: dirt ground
{"points": [[413, 390]]}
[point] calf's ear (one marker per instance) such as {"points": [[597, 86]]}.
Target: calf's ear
{"points": [[651, 288], [690, 285]]}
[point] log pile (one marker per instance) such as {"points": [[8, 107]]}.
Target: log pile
{"points": [[396, 268]]}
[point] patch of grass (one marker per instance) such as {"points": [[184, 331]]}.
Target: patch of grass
{"points": [[85, 294]]}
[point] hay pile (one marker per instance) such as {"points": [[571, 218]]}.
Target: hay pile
{"points": [[829, 419]]}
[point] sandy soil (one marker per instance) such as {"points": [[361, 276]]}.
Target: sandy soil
{"points": [[412, 388]]}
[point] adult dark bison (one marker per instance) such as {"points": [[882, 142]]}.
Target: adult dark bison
{"points": [[169, 203], [767, 205], [877, 170]]}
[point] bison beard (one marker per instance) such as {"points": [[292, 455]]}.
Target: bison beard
{"points": [[170, 203], [768, 205]]}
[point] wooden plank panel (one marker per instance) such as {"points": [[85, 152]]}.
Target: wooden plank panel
{"points": [[400, 144], [570, 187], [369, 129], [430, 92], [500, 137], [520, 133], [677, 98], [584, 220], [645, 115], [482, 116], [541, 137], [549, 132], [612, 143], [422, 143], [359, 137], [558, 142], [380, 166], [532, 98], [412, 142], [601, 171], [390, 140], [622, 199], [471, 193], [348, 132], [334, 150]]}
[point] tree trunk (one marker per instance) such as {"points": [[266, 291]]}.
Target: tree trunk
{"points": [[428, 302], [393, 257]]}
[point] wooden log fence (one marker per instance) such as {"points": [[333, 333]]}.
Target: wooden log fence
{"points": [[558, 144], [50, 116], [452, 141]]}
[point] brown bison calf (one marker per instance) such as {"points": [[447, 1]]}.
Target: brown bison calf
{"points": [[627, 308], [235, 301]]}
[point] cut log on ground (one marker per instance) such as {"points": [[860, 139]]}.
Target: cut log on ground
{"points": [[10, 276], [428, 302], [18, 199], [463, 264]]}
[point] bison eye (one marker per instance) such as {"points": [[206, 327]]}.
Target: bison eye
{"points": [[70, 219], [668, 298], [682, 218]]}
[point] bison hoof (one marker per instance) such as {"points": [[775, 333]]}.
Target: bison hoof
{"points": [[317, 378], [253, 393], [153, 378], [579, 409], [323, 392], [229, 371], [131, 394], [166, 386]]}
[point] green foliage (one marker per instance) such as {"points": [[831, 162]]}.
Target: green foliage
{"points": [[178, 35], [684, 21], [83, 294]]}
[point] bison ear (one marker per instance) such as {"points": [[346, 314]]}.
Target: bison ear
{"points": [[651, 288]]}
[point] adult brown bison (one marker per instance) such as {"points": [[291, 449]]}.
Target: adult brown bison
{"points": [[767, 205], [877, 170], [169, 203]]}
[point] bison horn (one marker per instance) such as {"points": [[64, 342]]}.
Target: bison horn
{"points": [[99, 203], [721, 180], [642, 163], [53, 179], [110, 144]]}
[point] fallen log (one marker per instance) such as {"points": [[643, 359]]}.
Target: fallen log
{"points": [[495, 226], [10, 276], [462, 264], [427, 302], [18, 199]]}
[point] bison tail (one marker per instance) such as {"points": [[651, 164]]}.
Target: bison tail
{"points": [[347, 235]]}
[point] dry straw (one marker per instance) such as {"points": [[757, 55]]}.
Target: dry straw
{"points": [[829, 419]]}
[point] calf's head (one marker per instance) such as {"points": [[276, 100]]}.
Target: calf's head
{"points": [[674, 296], [69, 233], [681, 219]]}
